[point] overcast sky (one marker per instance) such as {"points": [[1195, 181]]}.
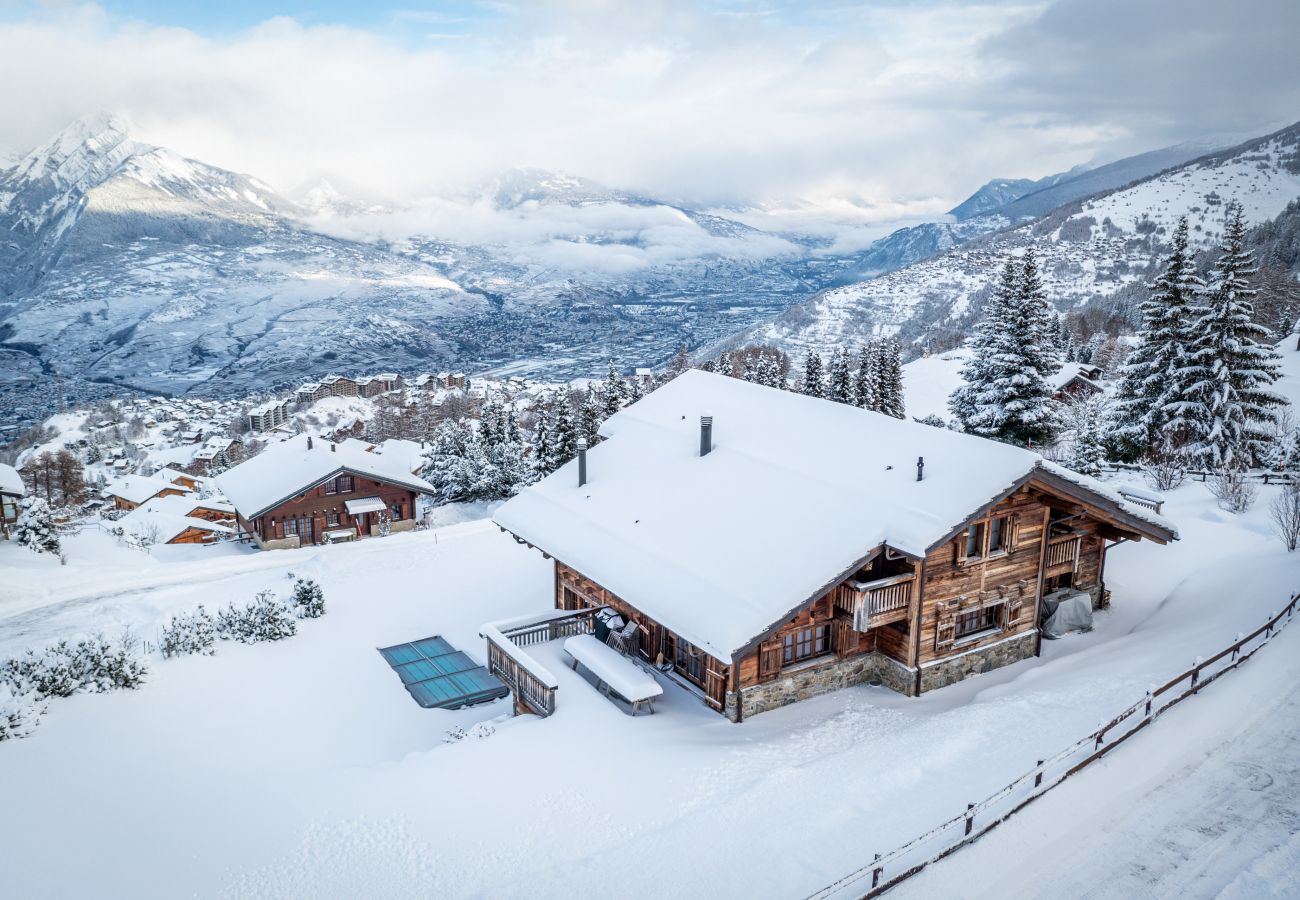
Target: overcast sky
{"points": [[906, 107]]}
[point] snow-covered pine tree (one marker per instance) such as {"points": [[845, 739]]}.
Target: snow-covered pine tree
{"points": [[613, 391], [749, 371], [769, 371], [564, 435], [35, 527], [726, 366], [542, 454], [1087, 453], [889, 380], [489, 431], [1005, 396], [590, 415], [814, 383], [1228, 403], [864, 378], [308, 599], [839, 385], [1152, 381], [1038, 311]]}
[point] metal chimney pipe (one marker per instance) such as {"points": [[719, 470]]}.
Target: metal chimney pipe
{"points": [[582, 461], [706, 434], [334, 448], [309, 442], [920, 467]]}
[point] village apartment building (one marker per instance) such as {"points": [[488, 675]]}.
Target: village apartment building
{"points": [[310, 491], [780, 546]]}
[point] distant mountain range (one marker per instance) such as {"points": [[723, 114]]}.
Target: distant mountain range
{"points": [[1090, 249], [126, 264]]}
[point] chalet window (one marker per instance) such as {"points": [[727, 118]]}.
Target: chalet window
{"points": [[975, 541], [332, 517], [998, 529], [977, 620], [344, 484], [397, 511], [332, 486], [805, 644]]}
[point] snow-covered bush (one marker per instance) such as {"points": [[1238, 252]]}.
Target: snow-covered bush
{"points": [[92, 664], [35, 527], [932, 419], [1285, 513], [1165, 468], [1230, 487], [194, 632], [308, 599], [265, 619], [19, 713]]}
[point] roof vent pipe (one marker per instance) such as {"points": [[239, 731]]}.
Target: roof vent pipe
{"points": [[334, 448], [582, 461], [706, 434], [920, 467], [309, 442]]}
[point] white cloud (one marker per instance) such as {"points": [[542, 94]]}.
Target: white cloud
{"points": [[890, 106]]}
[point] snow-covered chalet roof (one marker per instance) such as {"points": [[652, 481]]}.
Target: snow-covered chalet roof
{"points": [[289, 468], [11, 482], [168, 517], [139, 488], [795, 493]]}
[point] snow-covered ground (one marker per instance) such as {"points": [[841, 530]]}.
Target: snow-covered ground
{"points": [[1207, 804], [304, 769]]}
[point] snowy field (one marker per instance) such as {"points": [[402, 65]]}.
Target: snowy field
{"points": [[303, 768]]}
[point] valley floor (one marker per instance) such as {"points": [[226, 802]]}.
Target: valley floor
{"points": [[302, 768]]}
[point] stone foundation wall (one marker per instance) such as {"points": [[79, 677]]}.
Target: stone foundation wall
{"points": [[958, 668], [292, 542], [812, 681]]}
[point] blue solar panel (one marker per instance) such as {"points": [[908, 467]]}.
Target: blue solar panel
{"points": [[436, 674]]}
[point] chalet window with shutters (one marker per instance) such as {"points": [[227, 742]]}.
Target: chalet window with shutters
{"points": [[805, 643], [990, 537], [689, 660], [977, 620]]}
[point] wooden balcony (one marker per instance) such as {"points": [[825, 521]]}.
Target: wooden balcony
{"points": [[875, 603], [1063, 553]]}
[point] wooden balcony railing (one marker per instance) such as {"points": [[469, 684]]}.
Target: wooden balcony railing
{"points": [[874, 603], [1063, 550], [532, 683]]}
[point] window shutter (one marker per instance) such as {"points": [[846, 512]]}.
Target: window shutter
{"points": [[1013, 533], [944, 633], [1013, 612]]}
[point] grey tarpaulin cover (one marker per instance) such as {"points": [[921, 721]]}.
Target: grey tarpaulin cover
{"points": [[1066, 611]]}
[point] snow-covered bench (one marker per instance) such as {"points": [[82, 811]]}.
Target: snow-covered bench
{"points": [[615, 671], [1141, 497]]}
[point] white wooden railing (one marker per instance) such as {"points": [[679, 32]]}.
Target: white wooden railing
{"points": [[1063, 550]]}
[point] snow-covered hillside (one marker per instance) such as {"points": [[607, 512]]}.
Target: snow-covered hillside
{"points": [[303, 768], [1087, 250]]}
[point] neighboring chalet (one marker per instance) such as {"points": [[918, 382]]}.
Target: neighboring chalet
{"points": [[12, 490], [786, 546], [176, 476], [180, 520], [130, 491], [309, 491], [1075, 380]]}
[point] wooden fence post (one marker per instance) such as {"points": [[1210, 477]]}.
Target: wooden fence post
{"points": [[1038, 776], [1196, 672], [876, 872], [1150, 698], [970, 816]]}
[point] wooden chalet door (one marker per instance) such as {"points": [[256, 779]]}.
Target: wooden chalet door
{"points": [[361, 524]]}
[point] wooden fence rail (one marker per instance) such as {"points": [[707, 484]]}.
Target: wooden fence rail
{"points": [[532, 683], [1263, 476], [888, 869]]}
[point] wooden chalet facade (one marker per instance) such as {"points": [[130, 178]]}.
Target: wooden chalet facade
{"points": [[304, 491], [910, 615]]}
